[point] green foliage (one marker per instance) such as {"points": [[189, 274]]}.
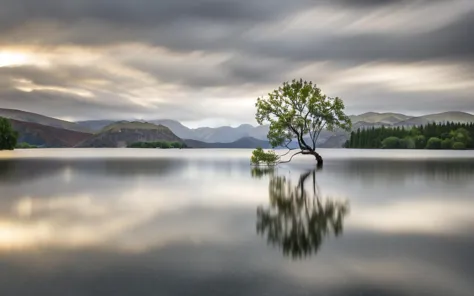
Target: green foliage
{"points": [[414, 138], [459, 146], [461, 135], [260, 156], [408, 143], [299, 109], [391, 143], [8, 136], [447, 143], [158, 144], [434, 143], [25, 145], [420, 142]]}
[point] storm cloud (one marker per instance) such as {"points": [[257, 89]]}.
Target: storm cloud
{"points": [[204, 59]]}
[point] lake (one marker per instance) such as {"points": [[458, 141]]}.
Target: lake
{"points": [[203, 222]]}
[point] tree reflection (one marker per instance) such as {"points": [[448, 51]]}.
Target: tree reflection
{"points": [[298, 220], [259, 173]]}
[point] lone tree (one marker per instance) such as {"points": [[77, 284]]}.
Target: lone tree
{"points": [[8, 136], [300, 111]]}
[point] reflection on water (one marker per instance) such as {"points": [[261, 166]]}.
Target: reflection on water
{"points": [[298, 220], [104, 222]]}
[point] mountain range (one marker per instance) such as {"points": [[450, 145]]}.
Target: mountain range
{"points": [[51, 132]]}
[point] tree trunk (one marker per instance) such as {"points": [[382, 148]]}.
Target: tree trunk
{"points": [[316, 155], [319, 159]]}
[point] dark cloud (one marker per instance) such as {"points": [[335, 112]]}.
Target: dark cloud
{"points": [[450, 42], [204, 72], [223, 26], [144, 12], [379, 3], [243, 42]]}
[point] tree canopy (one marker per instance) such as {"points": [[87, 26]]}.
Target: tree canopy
{"points": [[298, 110], [8, 136]]}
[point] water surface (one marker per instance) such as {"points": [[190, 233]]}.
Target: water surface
{"points": [[203, 222]]}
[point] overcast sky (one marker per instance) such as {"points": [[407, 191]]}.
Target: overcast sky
{"points": [[204, 62]]}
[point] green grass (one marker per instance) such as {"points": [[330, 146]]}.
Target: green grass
{"points": [[25, 146]]}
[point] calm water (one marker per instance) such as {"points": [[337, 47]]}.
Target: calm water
{"points": [[202, 222]]}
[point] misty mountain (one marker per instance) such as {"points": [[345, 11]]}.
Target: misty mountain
{"points": [[243, 143], [225, 134]]}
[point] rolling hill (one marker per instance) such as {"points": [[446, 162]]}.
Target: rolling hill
{"points": [[41, 119], [123, 133], [374, 117], [460, 117], [47, 136]]}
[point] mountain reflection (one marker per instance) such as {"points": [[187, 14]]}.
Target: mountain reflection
{"points": [[298, 220]]}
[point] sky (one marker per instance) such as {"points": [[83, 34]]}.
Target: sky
{"points": [[205, 62]]}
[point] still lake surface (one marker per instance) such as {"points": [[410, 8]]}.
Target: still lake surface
{"points": [[203, 222]]}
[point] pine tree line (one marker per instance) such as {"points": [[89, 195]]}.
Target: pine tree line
{"points": [[447, 135]]}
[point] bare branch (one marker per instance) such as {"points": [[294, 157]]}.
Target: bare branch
{"points": [[317, 133], [289, 150], [301, 152]]}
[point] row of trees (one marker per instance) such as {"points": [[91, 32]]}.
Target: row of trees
{"points": [[448, 135], [24, 145], [8, 136], [158, 144]]}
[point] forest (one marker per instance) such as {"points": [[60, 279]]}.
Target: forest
{"points": [[448, 135]]}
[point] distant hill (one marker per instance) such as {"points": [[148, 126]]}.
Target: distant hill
{"points": [[243, 143], [41, 119], [224, 134], [47, 136], [374, 117], [227, 134], [176, 127], [336, 141], [460, 117], [123, 133]]}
